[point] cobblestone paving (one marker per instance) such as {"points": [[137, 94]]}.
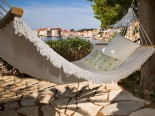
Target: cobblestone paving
{"points": [[31, 97]]}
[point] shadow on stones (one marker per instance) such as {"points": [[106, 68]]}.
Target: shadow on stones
{"points": [[61, 99], [76, 97], [27, 96], [122, 103]]}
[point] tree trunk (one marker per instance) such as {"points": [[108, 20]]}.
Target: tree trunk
{"points": [[147, 19]]}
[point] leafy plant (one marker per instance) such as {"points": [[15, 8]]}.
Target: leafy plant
{"points": [[131, 84], [152, 95], [110, 11], [71, 49]]}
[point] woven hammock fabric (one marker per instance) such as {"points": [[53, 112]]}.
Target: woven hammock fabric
{"points": [[126, 20], [25, 51]]}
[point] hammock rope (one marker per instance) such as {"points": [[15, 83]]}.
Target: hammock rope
{"points": [[3, 8], [6, 3], [141, 27], [132, 5], [2, 15], [128, 28]]}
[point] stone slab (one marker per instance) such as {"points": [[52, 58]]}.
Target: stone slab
{"points": [[122, 95], [28, 102], [121, 108], [86, 108], [11, 106], [48, 111], [29, 111], [71, 107], [60, 104], [144, 112], [8, 113]]}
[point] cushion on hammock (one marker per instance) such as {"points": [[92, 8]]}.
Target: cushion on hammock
{"points": [[101, 62], [120, 48]]}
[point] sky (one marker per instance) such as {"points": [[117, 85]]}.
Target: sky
{"points": [[67, 14]]}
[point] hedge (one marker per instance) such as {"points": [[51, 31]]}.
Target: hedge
{"points": [[71, 49]]}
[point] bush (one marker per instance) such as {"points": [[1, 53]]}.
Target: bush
{"points": [[71, 49]]}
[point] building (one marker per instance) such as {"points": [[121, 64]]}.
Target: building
{"points": [[49, 32], [42, 32], [56, 32]]}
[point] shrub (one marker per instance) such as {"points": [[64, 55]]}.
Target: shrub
{"points": [[71, 49]]}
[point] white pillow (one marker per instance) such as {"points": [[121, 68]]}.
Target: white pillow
{"points": [[120, 48]]}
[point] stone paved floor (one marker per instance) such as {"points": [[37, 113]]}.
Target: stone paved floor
{"points": [[31, 97]]}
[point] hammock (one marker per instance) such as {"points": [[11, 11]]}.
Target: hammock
{"points": [[20, 47]]}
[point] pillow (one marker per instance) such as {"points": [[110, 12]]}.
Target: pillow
{"points": [[101, 62], [120, 48]]}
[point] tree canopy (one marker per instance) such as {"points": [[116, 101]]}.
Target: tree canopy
{"points": [[109, 11]]}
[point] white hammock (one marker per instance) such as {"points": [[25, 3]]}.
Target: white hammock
{"points": [[20, 47], [126, 20]]}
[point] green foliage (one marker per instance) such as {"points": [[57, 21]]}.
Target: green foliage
{"points": [[71, 49], [131, 84], [152, 95], [110, 11]]}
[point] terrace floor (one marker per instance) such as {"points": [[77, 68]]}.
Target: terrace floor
{"points": [[32, 97]]}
